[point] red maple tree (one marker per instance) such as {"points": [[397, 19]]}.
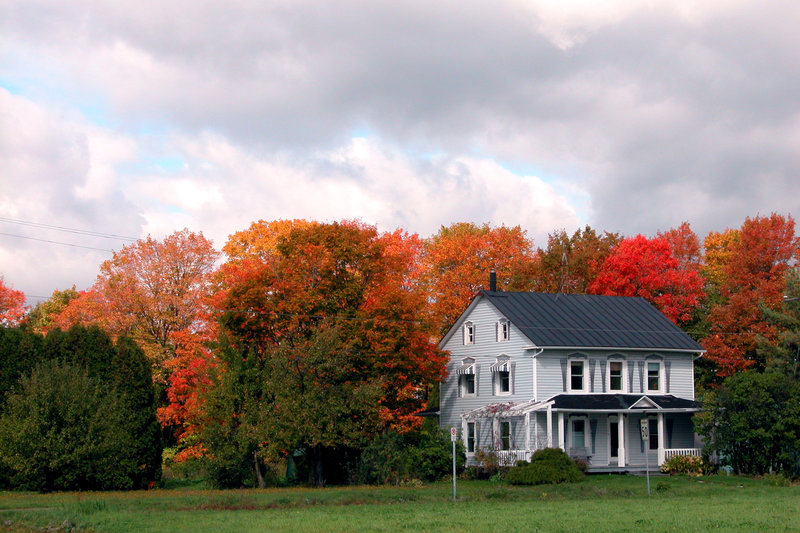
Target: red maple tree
{"points": [[647, 268]]}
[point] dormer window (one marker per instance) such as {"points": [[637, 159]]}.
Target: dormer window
{"points": [[469, 333], [503, 327]]}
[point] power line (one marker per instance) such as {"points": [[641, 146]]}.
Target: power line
{"points": [[67, 230], [56, 242]]}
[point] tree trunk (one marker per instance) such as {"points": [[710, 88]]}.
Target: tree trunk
{"points": [[316, 455], [259, 477]]}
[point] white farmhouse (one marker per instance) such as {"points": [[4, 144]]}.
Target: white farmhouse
{"points": [[578, 372]]}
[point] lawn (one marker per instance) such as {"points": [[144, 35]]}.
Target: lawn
{"points": [[601, 503]]}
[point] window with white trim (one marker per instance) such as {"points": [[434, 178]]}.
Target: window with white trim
{"points": [[503, 330], [653, 437], [579, 437], [505, 435], [654, 372], [472, 438], [616, 375], [467, 384], [501, 376], [577, 375], [466, 377], [469, 333]]}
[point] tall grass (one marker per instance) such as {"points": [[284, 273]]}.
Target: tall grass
{"points": [[601, 503]]}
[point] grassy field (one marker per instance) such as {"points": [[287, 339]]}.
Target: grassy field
{"points": [[601, 503]]}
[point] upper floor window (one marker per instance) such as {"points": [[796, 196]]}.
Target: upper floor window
{"points": [[616, 376], [654, 376], [577, 371], [501, 374], [503, 327], [466, 377], [467, 384], [469, 333]]}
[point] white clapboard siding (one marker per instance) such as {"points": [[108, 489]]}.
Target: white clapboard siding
{"points": [[485, 350]]}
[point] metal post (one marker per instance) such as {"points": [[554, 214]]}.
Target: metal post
{"points": [[453, 438], [454, 471]]}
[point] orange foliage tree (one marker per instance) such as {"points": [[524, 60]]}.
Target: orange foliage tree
{"points": [[685, 246], [571, 263], [752, 274], [148, 291], [647, 268], [12, 305], [330, 322], [719, 247], [458, 259]]}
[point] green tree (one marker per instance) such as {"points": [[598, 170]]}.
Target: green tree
{"points": [[63, 430], [753, 422], [123, 373]]}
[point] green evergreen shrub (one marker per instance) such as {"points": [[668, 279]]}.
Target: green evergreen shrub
{"points": [[118, 385], [547, 466], [63, 430], [425, 455]]}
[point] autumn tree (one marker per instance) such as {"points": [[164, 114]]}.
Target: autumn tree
{"points": [[149, 290], [40, 319], [754, 278], [332, 318], [260, 240], [12, 305], [718, 247], [647, 268], [457, 262], [685, 246], [570, 264]]}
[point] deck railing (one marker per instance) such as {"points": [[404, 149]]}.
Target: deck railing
{"points": [[672, 452], [510, 457]]}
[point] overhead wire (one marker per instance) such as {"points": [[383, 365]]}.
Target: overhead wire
{"points": [[90, 233]]}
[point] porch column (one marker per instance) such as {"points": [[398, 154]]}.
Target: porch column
{"points": [[561, 432], [661, 439], [527, 432], [549, 426], [621, 439]]}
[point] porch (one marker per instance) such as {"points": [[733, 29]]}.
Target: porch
{"points": [[605, 433]]}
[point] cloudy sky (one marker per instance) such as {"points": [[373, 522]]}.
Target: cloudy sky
{"points": [[122, 118]]}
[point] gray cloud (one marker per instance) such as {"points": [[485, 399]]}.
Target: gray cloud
{"points": [[658, 113]]}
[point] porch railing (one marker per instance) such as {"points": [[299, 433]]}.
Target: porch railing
{"points": [[671, 452], [510, 457]]}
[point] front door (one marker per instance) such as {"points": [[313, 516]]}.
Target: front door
{"points": [[613, 442]]}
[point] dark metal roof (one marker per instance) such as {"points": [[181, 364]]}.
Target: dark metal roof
{"points": [[592, 321], [602, 402], [428, 412]]}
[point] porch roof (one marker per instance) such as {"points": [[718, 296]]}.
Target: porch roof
{"points": [[587, 403], [609, 402]]}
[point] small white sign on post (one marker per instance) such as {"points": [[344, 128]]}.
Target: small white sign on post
{"points": [[453, 434], [644, 426]]}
